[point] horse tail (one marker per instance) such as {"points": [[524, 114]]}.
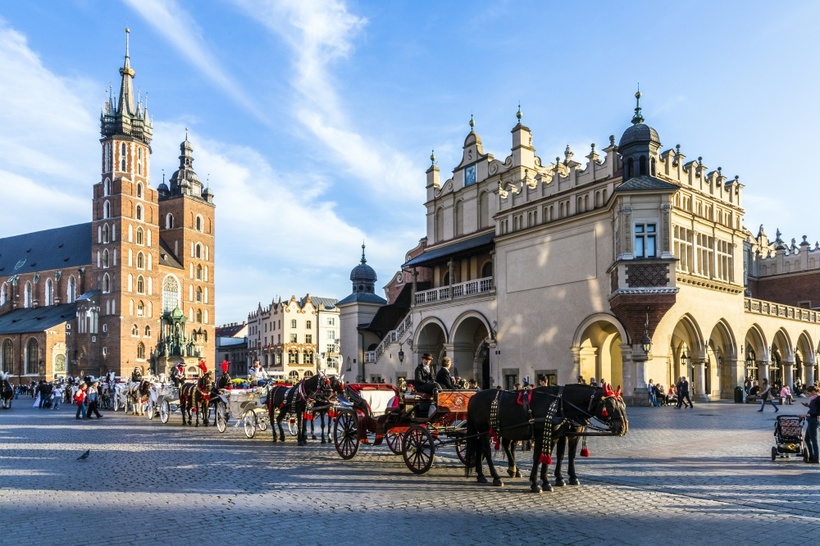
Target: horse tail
{"points": [[471, 451]]}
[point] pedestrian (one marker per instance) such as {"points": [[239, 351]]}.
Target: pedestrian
{"points": [[58, 396], [786, 395], [683, 393], [653, 397], [766, 394], [93, 398], [79, 399], [812, 424]]}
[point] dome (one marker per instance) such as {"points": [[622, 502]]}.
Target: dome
{"points": [[363, 273], [639, 133]]}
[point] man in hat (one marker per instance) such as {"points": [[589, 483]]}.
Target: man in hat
{"points": [[178, 374], [424, 375], [93, 398]]}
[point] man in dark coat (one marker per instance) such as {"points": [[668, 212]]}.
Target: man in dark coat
{"points": [[683, 392], [443, 376], [424, 375]]}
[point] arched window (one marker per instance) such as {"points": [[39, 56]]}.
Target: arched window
{"points": [[140, 260], [139, 235], [105, 258], [642, 164], [140, 285], [122, 156], [140, 309], [169, 221], [27, 295], [198, 294], [198, 272], [49, 292], [139, 171], [4, 294], [7, 355], [105, 233], [71, 290], [198, 251], [134, 330], [106, 186], [140, 351], [198, 223], [147, 331], [630, 167], [106, 210], [139, 212], [199, 315], [32, 357], [170, 294], [106, 284]]}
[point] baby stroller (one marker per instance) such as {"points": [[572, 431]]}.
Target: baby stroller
{"points": [[788, 437]]}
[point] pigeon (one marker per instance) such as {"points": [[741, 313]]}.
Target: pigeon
{"points": [[84, 456]]}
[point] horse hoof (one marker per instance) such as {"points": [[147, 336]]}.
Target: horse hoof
{"points": [[511, 472], [574, 481], [535, 488], [517, 473], [481, 479], [560, 483], [547, 487], [497, 482]]}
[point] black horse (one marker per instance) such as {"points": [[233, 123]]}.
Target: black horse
{"points": [[309, 395], [6, 391], [522, 415], [195, 398]]}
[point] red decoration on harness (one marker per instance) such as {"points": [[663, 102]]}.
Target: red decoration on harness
{"points": [[497, 443], [545, 459], [604, 413], [308, 416], [584, 452]]}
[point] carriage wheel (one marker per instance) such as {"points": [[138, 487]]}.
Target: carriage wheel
{"points": [[774, 453], [221, 416], [249, 424], [394, 442], [151, 409], [461, 450], [418, 449], [292, 425], [262, 422], [346, 434], [164, 411]]}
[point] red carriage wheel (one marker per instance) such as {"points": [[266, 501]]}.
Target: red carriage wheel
{"points": [[418, 449]]}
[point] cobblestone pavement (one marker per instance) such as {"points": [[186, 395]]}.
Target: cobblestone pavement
{"points": [[701, 475]]}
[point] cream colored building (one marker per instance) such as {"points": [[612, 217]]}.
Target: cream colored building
{"points": [[569, 269], [292, 338]]}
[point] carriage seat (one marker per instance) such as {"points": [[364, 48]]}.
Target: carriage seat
{"points": [[374, 402]]}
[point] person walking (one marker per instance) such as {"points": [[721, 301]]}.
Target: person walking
{"points": [[93, 398], [766, 394], [683, 393], [812, 423], [79, 399], [653, 397]]}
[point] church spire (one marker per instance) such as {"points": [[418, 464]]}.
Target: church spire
{"points": [[126, 118]]}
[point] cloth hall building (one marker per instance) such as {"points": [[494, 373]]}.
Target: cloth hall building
{"points": [[633, 265], [132, 288]]}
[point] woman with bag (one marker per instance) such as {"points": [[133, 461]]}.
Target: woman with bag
{"points": [[79, 399]]}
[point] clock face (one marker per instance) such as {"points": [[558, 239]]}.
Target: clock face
{"points": [[469, 175]]}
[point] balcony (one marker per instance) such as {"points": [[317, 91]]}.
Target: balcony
{"points": [[456, 291]]}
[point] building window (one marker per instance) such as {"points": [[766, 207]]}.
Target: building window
{"points": [[140, 285], [147, 331], [71, 290], [139, 235], [140, 309], [135, 331], [293, 359], [140, 260], [140, 351], [308, 338], [106, 210], [308, 358], [293, 323], [293, 338], [198, 272], [122, 156], [169, 221], [49, 292], [308, 324], [331, 321], [139, 166], [106, 284], [27, 298], [199, 315], [170, 294], [645, 240], [8, 355], [198, 224], [32, 357], [199, 294], [139, 212]]}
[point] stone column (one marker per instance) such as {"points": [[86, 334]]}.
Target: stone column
{"points": [[788, 375], [699, 387]]}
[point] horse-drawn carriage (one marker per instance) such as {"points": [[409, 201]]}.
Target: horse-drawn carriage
{"points": [[247, 405], [412, 425]]}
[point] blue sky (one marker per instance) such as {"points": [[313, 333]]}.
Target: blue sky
{"points": [[313, 120]]}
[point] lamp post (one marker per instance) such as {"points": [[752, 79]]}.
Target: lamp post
{"points": [[401, 355]]}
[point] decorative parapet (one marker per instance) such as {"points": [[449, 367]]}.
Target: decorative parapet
{"points": [[771, 309], [467, 289]]}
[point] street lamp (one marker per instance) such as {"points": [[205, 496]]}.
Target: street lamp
{"points": [[401, 355], [646, 341]]}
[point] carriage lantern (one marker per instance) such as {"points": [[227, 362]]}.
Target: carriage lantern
{"points": [[401, 356]]}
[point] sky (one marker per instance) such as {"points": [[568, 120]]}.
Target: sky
{"points": [[313, 121]]}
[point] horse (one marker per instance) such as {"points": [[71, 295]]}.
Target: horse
{"points": [[321, 414], [522, 415], [195, 398], [137, 391], [315, 392], [6, 391]]}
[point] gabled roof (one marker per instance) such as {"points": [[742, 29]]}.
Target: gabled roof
{"points": [[645, 182], [326, 304], [58, 248], [166, 257], [30, 320]]}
